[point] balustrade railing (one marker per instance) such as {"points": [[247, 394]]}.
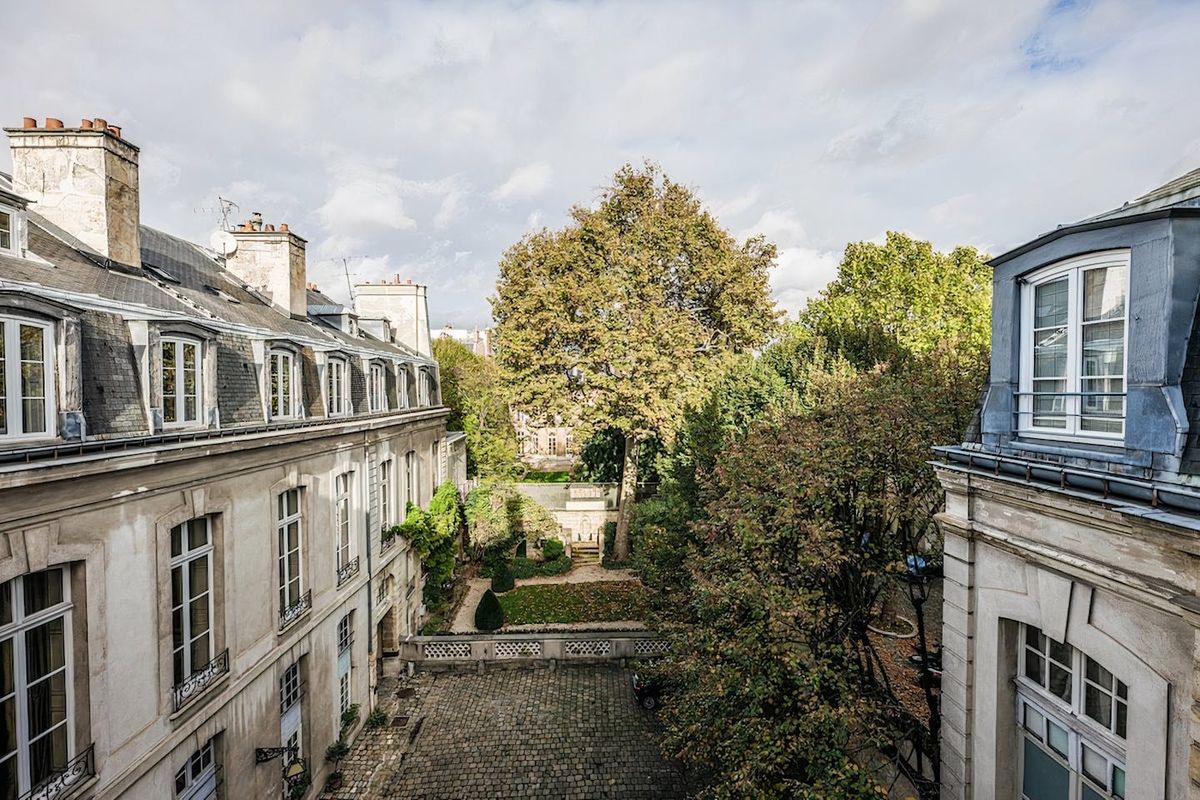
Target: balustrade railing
{"points": [[195, 683], [348, 571], [77, 771], [572, 646], [296, 610], [387, 543]]}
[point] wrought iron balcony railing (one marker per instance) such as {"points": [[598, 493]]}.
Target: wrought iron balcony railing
{"points": [[194, 684], [76, 772], [387, 543], [348, 571], [296, 610]]}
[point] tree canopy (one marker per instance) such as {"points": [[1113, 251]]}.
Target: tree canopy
{"points": [[473, 390], [626, 314]]}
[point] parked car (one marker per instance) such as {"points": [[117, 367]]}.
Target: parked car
{"points": [[647, 690]]}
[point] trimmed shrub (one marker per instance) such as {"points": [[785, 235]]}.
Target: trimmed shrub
{"points": [[610, 537], [556, 567], [489, 616], [502, 578], [553, 549], [524, 568]]}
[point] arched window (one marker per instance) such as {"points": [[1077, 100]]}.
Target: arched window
{"points": [[1072, 715]]}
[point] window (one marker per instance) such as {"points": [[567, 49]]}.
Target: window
{"points": [[1072, 715], [376, 389], [1073, 353], [180, 381], [8, 237], [191, 597], [385, 493], [197, 778], [551, 443], [341, 505], [282, 400], [291, 582], [434, 468], [422, 388], [289, 687], [345, 632], [337, 387], [345, 639], [410, 479], [26, 375], [35, 679]]}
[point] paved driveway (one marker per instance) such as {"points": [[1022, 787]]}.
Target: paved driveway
{"points": [[573, 732]]}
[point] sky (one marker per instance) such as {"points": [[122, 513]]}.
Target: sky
{"points": [[422, 139]]}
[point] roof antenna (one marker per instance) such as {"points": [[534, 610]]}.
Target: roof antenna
{"points": [[346, 269]]}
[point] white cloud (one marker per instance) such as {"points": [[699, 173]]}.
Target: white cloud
{"points": [[524, 183], [411, 131]]}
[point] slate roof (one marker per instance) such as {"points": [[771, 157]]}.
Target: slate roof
{"points": [[178, 280]]}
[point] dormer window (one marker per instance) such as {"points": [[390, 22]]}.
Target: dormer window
{"points": [[376, 388], [1073, 348], [26, 378], [282, 373], [336, 388], [181, 393], [8, 230]]}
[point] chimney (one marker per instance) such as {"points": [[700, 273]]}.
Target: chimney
{"points": [[403, 305], [84, 180], [272, 261]]}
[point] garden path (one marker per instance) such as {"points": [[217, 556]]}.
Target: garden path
{"points": [[464, 618]]}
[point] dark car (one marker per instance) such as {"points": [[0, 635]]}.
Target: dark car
{"points": [[647, 690]]}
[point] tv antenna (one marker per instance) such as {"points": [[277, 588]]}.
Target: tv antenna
{"points": [[346, 269]]}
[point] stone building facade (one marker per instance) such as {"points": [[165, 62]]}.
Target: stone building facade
{"points": [[197, 458], [1071, 650]]}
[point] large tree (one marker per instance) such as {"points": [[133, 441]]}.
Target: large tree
{"points": [[622, 317], [474, 392]]}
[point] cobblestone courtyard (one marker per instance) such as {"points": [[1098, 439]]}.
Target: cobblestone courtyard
{"points": [[574, 732]]}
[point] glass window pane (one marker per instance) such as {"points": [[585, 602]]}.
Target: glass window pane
{"points": [[45, 649], [1050, 304], [8, 726], [1035, 723], [1061, 652], [32, 343], [1033, 668], [176, 540], [1122, 719], [1103, 293], [168, 355], [1095, 766], [7, 668], [48, 755], [1097, 705], [46, 703], [1060, 682], [1090, 794], [6, 609], [1044, 778], [1118, 782], [43, 590], [198, 533], [200, 652], [1098, 674], [1056, 737]]}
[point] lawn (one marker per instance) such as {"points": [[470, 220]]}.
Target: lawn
{"points": [[560, 603], [547, 477]]}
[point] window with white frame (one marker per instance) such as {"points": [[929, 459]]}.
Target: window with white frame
{"points": [[434, 468], [1073, 350], [197, 778], [385, 493], [337, 387], [26, 378], [288, 526], [345, 632], [1072, 715], [282, 369], [191, 597], [181, 395], [36, 675], [551, 443], [289, 687], [341, 506], [410, 479], [8, 230], [377, 388]]}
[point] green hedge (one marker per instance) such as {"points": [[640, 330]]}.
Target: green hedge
{"points": [[553, 549], [489, 616], [502, 578], [524, 568], [556, 567]]}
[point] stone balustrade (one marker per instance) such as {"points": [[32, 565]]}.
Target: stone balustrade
{"points": [[530, 648]]}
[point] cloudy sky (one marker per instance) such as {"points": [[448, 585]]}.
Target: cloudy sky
{"points": [[422, 139]]}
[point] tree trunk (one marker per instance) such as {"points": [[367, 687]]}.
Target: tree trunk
{"points": [[625, 499]]}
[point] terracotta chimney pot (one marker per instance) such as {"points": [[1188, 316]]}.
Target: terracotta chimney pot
{"points": [[53, 124], [270, 226], [100, 124], [86, 124], [29, 122], [284, 228], [115, 130]]}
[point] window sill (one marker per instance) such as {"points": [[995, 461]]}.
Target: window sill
{"points": [[1067, 440]]}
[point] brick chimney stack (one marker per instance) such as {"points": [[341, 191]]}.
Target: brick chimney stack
{"points": [[84, 180], [272, 261]]}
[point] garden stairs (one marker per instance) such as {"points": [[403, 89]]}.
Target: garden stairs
{"points": [[584, 553]]}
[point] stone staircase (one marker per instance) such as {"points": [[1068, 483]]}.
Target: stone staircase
{"points": [[584, 553]]}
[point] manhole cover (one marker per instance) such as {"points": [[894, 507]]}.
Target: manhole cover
{"points": [[407, 691], [399, 722]]}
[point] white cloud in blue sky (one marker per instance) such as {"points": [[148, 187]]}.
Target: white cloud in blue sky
{"points": [[428, 137]]}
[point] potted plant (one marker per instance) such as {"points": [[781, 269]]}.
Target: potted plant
{"points": [[334, 755]]}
